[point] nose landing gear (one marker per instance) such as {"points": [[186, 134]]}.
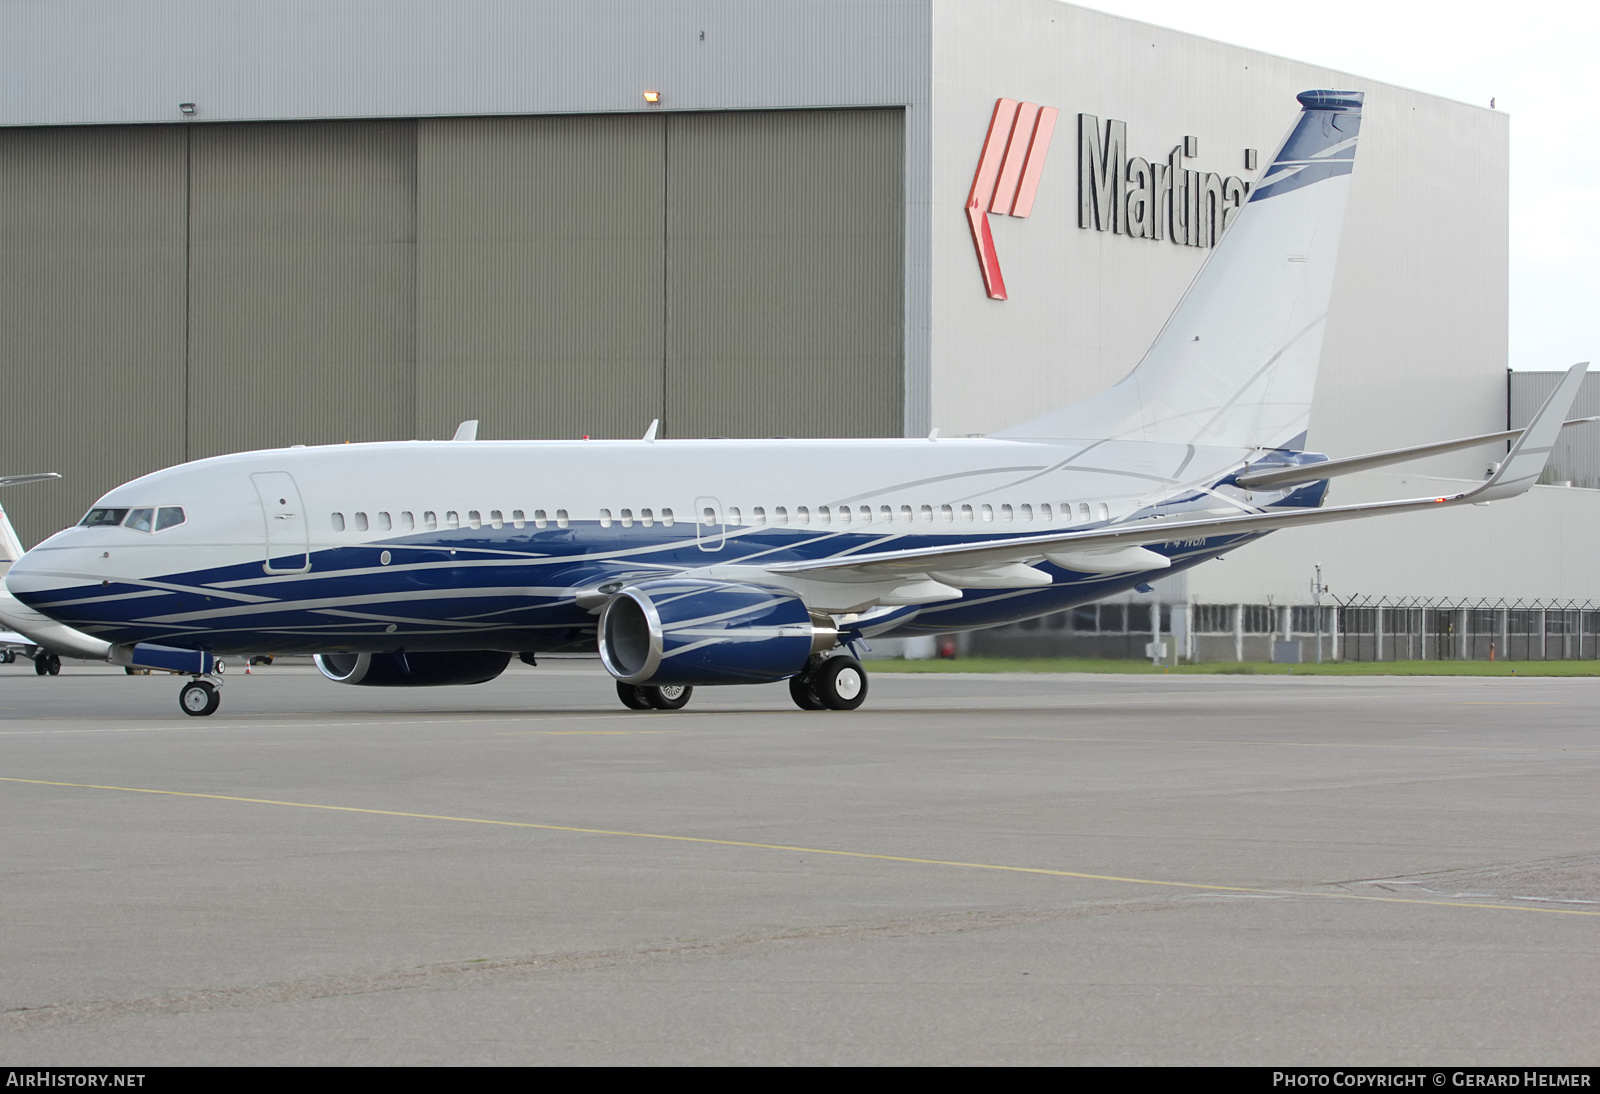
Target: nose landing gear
{"points": [[201, 697]]}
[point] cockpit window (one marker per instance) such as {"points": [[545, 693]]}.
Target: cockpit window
{"points": [[103, 518], [149, 519]]}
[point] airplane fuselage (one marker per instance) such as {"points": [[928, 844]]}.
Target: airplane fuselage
{"points": [[503, 545]]}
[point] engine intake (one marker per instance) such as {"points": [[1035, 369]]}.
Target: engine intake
{"points": [[412, 670], [694, 631]]}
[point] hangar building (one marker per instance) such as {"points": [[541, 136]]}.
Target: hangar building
{"points": [[265, 223]]}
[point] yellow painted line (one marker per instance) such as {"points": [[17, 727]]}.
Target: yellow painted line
{"points": [[809, 850], [1178, 742]]}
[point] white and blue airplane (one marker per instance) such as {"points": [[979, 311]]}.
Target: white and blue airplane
{"points": [[705, 562]]}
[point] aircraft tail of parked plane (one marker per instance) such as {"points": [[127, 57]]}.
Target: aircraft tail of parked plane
{"points": [[687, 562], [26, 631]]}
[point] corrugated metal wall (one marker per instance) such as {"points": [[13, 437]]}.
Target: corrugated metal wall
{"points": [[785, 286], [92, 233], [1576, 458], [540, 275], [176, 292]]}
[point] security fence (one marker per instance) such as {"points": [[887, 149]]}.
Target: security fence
{"points": [[1412, 629]]}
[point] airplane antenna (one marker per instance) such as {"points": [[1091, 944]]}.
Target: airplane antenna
{"points": [[466, 431], [650, 434]]}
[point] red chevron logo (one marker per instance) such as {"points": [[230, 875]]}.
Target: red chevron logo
{"points": [[1007, 177]]}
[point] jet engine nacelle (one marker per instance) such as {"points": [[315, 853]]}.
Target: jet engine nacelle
{"points": [[694, 631], [412, 670]]}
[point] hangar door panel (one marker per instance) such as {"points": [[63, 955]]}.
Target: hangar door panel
{"points": [[91, 312], [785, 311], [540, 275], [301, 284]]}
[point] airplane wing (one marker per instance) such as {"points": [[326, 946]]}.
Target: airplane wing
{"points": [[1517, 472]]}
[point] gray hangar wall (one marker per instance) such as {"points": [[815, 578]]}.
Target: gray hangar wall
{"points": [[174, 292]]}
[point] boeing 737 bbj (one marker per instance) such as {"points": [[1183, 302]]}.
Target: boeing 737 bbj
{"points": [[692, 563]]}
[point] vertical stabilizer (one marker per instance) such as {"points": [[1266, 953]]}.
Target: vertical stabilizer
{"points": [[1236, 364]]}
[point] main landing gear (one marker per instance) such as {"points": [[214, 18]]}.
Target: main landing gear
{"points": [[829, 683], [826, 683], [46, 664], [645, 697]]}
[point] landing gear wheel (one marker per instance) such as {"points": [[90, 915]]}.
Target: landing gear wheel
{"points": [[669, 696], [55, 665], [7, 657], [802, 694], [199, 698], [41, 665], [632, 696], [840, 683]]}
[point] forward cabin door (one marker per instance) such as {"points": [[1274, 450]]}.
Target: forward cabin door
{"points": [[287, 534]]}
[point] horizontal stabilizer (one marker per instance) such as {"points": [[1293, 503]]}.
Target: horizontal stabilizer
{"points": [[1313, 472], [1521, 469]]}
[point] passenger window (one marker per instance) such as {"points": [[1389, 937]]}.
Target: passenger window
{"points": [[1044, 511], [407, 521], [519, 518], [539, 519], [905, 514], [802, 515], [474, 519], [647, 517], [844, 514], [1026, 512], [780, 515], [496, 519], [824, 516], [338, 522], [452, 519], [1005, 512], [168, 516], [561, 518], [966, 513], [666, 518], [430, 520], [927, 514], [1083, 510], [708, 517], [141, 520], [866, 514], [987, 512], [947, 514], [384, 524], [627, 518], [886, 514], [758, 515], [361, 522], [605, 518], [1105, 511]]}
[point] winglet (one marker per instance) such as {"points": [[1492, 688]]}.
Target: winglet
{"points": [[1526, 461], [467, 431]]}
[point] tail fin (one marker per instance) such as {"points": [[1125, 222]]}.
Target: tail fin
{"points": [[10, 545], [1236, 364]]}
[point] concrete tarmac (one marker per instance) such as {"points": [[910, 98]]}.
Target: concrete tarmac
{"points": [[968, 870]]}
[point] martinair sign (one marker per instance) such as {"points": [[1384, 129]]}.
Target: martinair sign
{"points": [[1127, 195]]}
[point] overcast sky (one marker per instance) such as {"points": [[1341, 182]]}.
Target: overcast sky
{"points": [[1534, 58]]}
